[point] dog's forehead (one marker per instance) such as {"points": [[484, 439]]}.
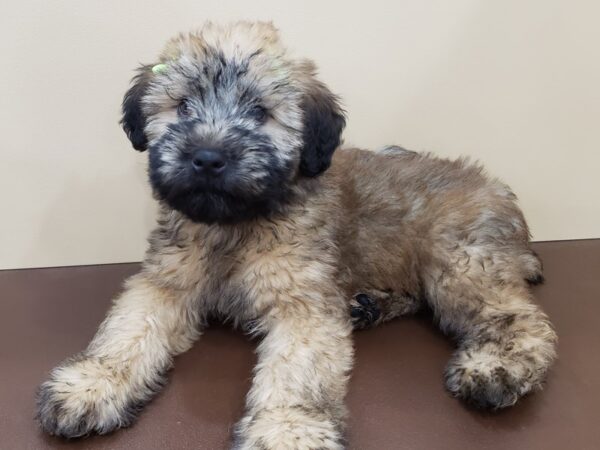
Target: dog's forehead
{"points": [[242, 39], [227, 56], [235, 43]]}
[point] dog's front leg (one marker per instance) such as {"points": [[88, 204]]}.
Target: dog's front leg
{"points": [[296, 400], [104, 387]]}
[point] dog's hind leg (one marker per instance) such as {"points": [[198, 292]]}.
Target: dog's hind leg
{"points": [[505, 342], [373, 307]]}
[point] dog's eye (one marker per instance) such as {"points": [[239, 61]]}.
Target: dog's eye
{"points": [[259, 113], [183, 109]]}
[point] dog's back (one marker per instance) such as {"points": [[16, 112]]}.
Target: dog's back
{"points": [[400, 210]]}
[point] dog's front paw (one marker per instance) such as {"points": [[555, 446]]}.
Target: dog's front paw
{"points": [[290, 429], [82, 397]]}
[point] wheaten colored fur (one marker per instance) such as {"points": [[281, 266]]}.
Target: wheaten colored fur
{"points": [[402, 228]]}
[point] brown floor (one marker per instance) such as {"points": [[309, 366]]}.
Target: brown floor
{"points": [[396, 397]]}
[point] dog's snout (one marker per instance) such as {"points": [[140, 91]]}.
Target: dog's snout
{"points": [[208, 160]]}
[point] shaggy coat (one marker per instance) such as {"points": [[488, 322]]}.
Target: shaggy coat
{"points": [[260, 222]]}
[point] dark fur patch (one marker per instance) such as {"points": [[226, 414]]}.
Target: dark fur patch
{"points": [[133, 120], [323, 124], [536, 279]]}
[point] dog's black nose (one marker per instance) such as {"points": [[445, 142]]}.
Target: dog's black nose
{"points": [[208, 160]]}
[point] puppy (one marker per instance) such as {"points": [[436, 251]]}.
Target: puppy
{"points": [[262, 223]]}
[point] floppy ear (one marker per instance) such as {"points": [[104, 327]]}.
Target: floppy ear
{"points": [[324, 121], [134, 120]]}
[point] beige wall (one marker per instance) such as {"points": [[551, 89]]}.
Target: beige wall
{"points": [[513, 83]]}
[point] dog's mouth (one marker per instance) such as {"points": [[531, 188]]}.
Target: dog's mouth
{"points": [[198, 187], [220, 203], [222, 207]]}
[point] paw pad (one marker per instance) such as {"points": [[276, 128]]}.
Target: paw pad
{"points": [[364, 311]]}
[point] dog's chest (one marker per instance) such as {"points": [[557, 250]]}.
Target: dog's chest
{"points": [[245, 277]]}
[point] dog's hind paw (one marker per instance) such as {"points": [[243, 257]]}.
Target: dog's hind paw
{"points": [[364, 311]]}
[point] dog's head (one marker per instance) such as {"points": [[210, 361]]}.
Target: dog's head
{"points": [[230, 122]]}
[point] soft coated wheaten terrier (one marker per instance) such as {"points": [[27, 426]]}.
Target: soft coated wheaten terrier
{"points": [[262, 223]]}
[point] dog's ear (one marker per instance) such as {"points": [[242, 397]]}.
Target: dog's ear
{"points": [[324, 121], [134, 120]]}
